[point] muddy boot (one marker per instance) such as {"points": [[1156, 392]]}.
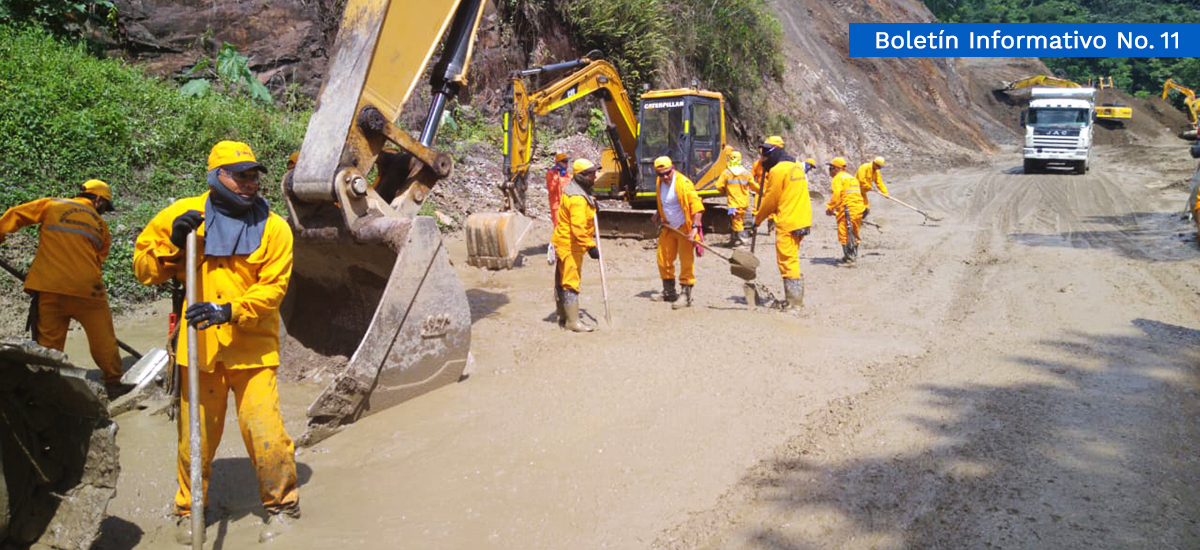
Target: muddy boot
{"points": [[183, 531], [116, 389], [847, 258], [735, 239], [668, 292], [278, 522], [770, 226], [793, 291], [687, 298], [559, 308], [571, 305]]}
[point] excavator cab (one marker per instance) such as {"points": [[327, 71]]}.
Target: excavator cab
{"points": [[689, 127]]}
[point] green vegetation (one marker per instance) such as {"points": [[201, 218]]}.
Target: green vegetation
{"points": [[1139, 76], [232, 74], [733, 45], [65, 17], [66, 117]]}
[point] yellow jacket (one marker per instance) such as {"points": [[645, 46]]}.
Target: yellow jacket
{"points": [[786, 196], [72, 245], [254, 284], [685, 190], [869, 178], [734, 182], [576, 225], [845, 192]]}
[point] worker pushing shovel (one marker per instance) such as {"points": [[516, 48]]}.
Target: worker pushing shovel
{"points": [[785, 195]]}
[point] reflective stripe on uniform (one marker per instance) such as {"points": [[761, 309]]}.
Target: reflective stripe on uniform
{"points": [[95, 239]]}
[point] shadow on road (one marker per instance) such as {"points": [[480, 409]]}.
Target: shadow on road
{"points": [[1098, 452]]}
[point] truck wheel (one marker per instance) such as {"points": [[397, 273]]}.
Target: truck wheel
{"points": [[1081, 166], [1031, 166]]}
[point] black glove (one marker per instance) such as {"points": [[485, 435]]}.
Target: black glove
{"points": [[594, 253], [185, 223], [207, 314], [865, 212], [802, 232]]}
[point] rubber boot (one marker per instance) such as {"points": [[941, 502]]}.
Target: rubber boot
{"points": [[793, 291], [847, 257], [687, 297], [668, 292], [571, 305], [559, 308]]}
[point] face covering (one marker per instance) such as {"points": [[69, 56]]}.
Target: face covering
{"points": [[233, 224]]}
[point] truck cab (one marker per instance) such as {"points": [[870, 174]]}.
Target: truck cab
{"points": [[1058, 127]]}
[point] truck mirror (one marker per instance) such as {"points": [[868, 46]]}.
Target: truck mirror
{"points": [[1023, 112]]}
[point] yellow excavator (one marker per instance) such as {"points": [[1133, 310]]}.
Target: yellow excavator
{"points": [[373, 306], [686, 124], [1189, 98], [1106, 111]]}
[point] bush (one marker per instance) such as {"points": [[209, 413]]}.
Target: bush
{"points": [[66, 117]]}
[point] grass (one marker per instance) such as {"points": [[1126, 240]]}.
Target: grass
{"points": [[66, 117]]}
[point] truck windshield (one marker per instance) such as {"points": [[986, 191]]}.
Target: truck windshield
{"points": [[1058, 117]]}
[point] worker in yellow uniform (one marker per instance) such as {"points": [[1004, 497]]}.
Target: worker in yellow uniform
{"points": [[870, 176], [735, 182], [574, 235], [65, 280], [245, 261], [846, 203], [759, 174], [556, 180], [678, 206], [786, 197]]}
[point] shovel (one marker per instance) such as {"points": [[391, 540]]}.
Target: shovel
{"points": [[603, 281], [193, 372], [928, 216], [743, 265]]}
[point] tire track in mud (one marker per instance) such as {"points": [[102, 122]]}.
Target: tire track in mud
{"points": [[934, 498]]}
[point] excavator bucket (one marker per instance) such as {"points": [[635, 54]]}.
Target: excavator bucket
{"points": [[382, 317], [494, 238]]}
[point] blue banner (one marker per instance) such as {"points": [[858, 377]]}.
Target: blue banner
{"points": [[1024, 40]]}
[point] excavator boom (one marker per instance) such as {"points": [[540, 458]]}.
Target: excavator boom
{"points": [[373, 306], [1189, 98]]}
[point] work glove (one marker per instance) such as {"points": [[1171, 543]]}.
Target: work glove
{"points": [[185, 223], [828, 211], [866, 211], [733, 211], [802, 232], [594, 253], [206, 314]]}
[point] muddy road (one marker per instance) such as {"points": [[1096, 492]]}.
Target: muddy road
{"points": [[1022, 374]]}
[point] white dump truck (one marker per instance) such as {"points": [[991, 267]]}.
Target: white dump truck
{"points": [[1058, 128]]}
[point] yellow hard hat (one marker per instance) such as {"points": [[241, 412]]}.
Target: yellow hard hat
{"points": [[774, 141], [560, 156], [98, 188], [582, 165], [735, 157], [293, 159], [838, 162], [878, 161], [663, 162], [234, 156], [810, 161]]}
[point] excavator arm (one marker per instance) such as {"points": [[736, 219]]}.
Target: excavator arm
{"points": [[596, 78], [374, 307], [1040, 80], [1189, 98]]}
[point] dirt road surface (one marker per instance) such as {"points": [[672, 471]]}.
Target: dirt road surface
{"points": [[1020, 375]]}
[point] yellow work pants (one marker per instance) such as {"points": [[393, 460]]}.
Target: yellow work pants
{"points": [[672, 245], [570, 261], [256, 396], [738, 220], [55, 312], [855, 223], [787, 255]]}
